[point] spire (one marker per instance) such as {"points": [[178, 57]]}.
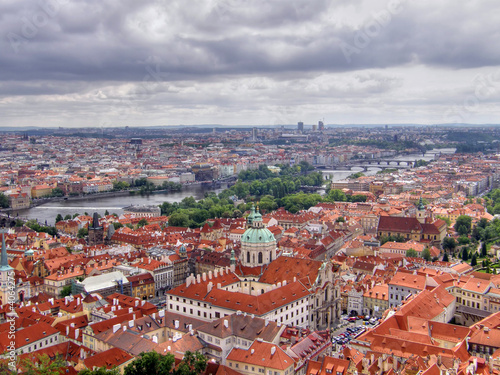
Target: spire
{"points": [[421, 206], [251, 217], [4, 265], [233, 261]]}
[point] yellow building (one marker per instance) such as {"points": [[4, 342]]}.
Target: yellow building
{"points": [[39, 191], [142, 286]]}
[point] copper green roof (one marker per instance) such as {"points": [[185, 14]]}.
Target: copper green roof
{"points": [[257, 235]]}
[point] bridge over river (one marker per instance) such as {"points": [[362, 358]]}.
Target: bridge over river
{"points": [[398, 162]]}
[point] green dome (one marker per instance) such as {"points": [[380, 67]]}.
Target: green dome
{"points": [[29, 252], [257, 235]]}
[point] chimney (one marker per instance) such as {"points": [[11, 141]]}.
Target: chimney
{"points": [[67, 330], [124, 328], [77, 333], [188, 281], [130, 310], [72, 325], [252, 351], [219, 285], [209, 287], [209, 275], [204, 276], [266, 322], [216, 273], [116, 327], [143, 302], [136, 302], [155, 339], [284, 282], [130, 323], [198, 278], [176, 324], [226, 323], [294, 278], [273, 350]]}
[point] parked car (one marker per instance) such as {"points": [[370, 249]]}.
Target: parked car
{"points": [[351, 319]]}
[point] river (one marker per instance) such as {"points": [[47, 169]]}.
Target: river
{"points": [[48, 211], [339, 175]]}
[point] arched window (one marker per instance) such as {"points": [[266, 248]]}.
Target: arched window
{"points": [[260, 257], [253, 258], [248, 256]]}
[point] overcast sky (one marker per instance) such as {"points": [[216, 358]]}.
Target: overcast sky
{"points": [[248, 62]]}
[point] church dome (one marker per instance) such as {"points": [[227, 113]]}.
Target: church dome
{"points": [[257, 235]]}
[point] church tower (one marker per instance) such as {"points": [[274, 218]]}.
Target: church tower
{"points": [[421, 212], [258, 245], [7, 279], [96, 232]]}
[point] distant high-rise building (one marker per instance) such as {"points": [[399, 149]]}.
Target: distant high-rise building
{"points": [[254, 134], [315, 127], [300, 126], [321, 125]]}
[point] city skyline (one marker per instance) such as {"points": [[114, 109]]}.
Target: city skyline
{"points": [[238, 63]]}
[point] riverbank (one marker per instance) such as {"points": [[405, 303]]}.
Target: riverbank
{"points": [[112, 202]]}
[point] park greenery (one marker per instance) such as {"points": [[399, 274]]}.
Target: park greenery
{"points": [[261, 186], [33, 224]]}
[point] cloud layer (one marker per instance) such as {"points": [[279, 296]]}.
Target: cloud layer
{"points": [[252, 62]]}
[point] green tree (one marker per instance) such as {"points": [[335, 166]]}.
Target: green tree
{"points": [[191, 364], [465, 254], [473, 261], [178, 220], [67, 217], [99, 371], [117, 225], [43, 365], [151, 363], [426, 254], [82, 232], [463, 225], [57, 192], [65, 291], [142, 223], [411, 253], [446, 258], [484, 250], [463, 240], [449, 243], [59, 218], [336, 195], [106, 213]]}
